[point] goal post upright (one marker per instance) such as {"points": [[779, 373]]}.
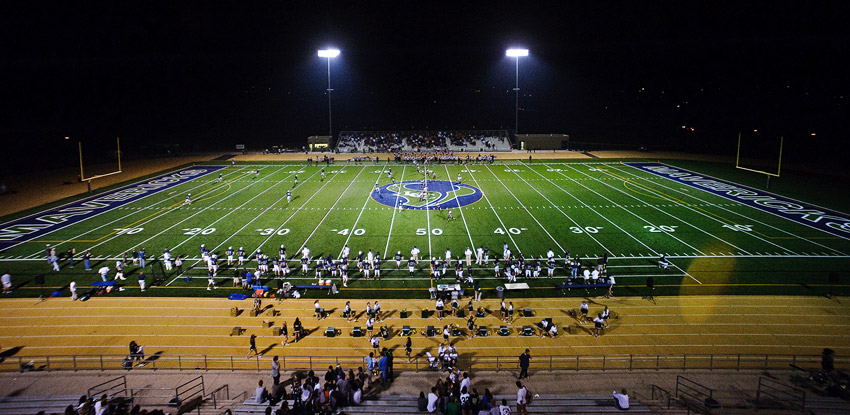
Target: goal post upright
{"points": [[88, 180], [766, 173]]}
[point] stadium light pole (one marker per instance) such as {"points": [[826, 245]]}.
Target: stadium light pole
{"points": [[329, 53], [516, 53]]}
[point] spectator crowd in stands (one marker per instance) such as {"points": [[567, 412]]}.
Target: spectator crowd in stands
{"points": [[408, 141]]}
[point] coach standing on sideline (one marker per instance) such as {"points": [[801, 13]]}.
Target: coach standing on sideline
{"points": [[524, 362]]}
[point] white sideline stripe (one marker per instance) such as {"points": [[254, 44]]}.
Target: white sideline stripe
{"points": [[718, 205], [662, 211], [484, 194], [709, 217], [300, 248], [356, 221], [460, 209], [395, 209], [779, 256], [797, 314], [125, 216], [179, 222]]}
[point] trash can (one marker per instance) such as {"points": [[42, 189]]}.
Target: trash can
{"points": [[500, 292]]}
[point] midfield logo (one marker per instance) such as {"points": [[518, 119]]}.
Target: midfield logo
{"points": [[440, 194]]}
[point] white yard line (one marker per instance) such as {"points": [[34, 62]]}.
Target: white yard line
{"points": [[172, 226], [568, 216], [663, 211], [732, 211], [492, 208], [561, 248], [356, 221], [621, 207], [240, 206], [471, 243], [395, 209], [427, 212], [197, 260], [134, 212], [253, 253], [329, 211], [700, 213]]}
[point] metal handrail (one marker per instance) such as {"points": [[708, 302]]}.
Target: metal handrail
{"points": [[615, 362], [781, 392], [121, 386], [654, 387], [212, 395]]}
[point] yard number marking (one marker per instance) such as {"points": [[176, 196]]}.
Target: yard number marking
{"points": [[197, 231], [357, 232], [586, 229], [739, 228], [423, 231], [515, 231], [269, 231], [661, 228], [128, 231]]}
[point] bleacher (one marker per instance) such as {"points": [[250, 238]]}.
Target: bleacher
{"points": [[30, 405], [544, 404], [407, 141]]}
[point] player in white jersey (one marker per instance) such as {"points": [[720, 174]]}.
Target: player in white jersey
{"points": [[188, 199], [479, 255]]}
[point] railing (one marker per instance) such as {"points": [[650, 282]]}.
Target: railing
{"points": [[660, 392], [149, 396], [780, 392], [112, 387], [618, 362], [701, 396], [189, 389], [213, 396]]}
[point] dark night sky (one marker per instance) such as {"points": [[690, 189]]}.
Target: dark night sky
{"points": [[215, 74]]}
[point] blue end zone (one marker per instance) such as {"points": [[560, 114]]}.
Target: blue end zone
{"points": [[829, 221], [28, 228]]}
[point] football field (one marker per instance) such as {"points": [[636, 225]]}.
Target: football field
{"points": [[717, 237]]}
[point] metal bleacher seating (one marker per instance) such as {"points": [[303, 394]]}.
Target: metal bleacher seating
{"points": [[543, 404], [28, 405]]}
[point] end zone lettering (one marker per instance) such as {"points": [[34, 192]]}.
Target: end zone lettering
{"points": [[829, 221], [21, 230]]}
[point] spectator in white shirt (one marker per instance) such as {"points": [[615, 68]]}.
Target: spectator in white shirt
{"points": [[621, 400], [432, 400]]}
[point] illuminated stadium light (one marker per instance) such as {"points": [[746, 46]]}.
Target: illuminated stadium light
{"points": [[328, 53], [515, 53]]}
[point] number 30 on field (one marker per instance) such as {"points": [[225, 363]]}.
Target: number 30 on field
{"points": [[270, 231]]}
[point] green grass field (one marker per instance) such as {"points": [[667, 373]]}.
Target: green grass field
{"points": [[715, 245]]}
